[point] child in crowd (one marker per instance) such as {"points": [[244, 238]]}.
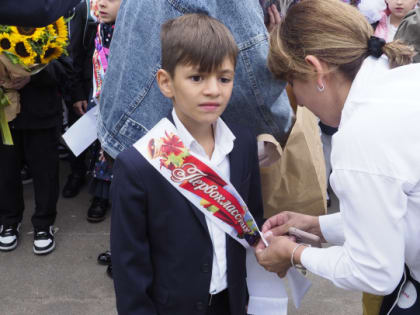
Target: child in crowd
{"points": [[102, 170], [35, 133], [82, 45], [391, 18], [168, 257]]}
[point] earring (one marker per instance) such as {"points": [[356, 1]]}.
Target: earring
{"points": [[320, 88]]}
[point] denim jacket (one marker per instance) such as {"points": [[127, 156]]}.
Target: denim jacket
{"points": [[131, 102]]}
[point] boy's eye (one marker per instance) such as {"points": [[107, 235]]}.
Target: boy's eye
{"points": [[196, 78], [225, 80]]}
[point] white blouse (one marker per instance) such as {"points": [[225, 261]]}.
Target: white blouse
{"points": [[376, 176]]}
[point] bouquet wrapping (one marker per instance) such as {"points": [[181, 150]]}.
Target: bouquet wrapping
{"points": [[25, 51]]}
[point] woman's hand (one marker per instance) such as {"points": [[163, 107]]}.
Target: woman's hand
{"points": [[279, 224], [276, 257]]}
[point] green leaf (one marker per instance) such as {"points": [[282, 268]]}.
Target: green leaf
{"points": [[35, 46], [5, 29], [4, 129], [176, 160], [4, 101], [213, 208]]}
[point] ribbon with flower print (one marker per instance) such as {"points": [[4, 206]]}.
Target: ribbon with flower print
{"points": [[219, 201], [200, 184]]}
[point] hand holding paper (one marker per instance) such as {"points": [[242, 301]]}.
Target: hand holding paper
{"points": [[279, 224]]}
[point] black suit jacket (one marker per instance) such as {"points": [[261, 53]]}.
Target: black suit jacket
{"points": [[34, 13], [161, 250]]}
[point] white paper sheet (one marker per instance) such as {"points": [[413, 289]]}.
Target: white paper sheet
{"points": [[267, 291], [83, 132], [298, 284]]}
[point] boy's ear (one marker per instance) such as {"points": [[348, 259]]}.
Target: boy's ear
{"points": [[164, 81]]}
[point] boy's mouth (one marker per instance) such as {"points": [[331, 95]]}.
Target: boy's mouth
{"points": [[209, 106]]}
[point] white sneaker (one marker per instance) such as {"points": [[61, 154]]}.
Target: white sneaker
{"points": [[44, 240], [9, 237]]}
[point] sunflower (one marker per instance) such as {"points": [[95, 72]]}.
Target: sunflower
{"points": [[23, 50], [51, 51], [59, 29], [6, 42], [33, 32]]}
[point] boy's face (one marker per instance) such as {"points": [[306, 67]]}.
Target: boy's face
{"points": [[108, 10], [199, 98]]}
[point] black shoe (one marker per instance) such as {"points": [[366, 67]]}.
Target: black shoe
{"points": [[97, 210], [25, 175], [9, 237], [109, 270], [74, 183], [105, 258], [44, 242]]}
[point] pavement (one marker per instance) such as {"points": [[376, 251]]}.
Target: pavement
{"points": [[69, 281]]}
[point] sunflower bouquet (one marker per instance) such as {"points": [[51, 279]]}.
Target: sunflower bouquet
{"points": [[25, 51]]}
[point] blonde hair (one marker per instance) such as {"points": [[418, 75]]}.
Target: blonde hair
{"points": [[332, 31]]}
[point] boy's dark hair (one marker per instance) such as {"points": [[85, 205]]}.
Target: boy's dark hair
{"points": [[196, 39]]}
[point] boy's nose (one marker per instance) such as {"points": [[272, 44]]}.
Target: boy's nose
{"points": [[212, 87]]}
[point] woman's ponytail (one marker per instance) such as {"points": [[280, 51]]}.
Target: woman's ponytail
{"points": [[398, 53]]}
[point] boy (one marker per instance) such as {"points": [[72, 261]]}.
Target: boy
{"points": [[168, 258], [35, 133]]}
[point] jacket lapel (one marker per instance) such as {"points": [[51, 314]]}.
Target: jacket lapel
{"points": [[235, 161]]}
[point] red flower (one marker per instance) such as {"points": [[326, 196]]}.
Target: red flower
{"points": [[172, 144]]}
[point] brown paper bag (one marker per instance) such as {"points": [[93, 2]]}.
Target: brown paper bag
{"points": [[297, 182], [371, 304]]}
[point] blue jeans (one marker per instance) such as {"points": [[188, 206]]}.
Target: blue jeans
{"points": [[131, 102]]}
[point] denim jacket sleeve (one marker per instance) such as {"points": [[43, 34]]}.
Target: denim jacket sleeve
{"points": [[131, 102]]}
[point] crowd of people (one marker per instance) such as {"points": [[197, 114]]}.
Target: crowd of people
{"points": [[198, 87]]}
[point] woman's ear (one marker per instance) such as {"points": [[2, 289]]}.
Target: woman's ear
{"points": [[164, 81], [319, 68]]}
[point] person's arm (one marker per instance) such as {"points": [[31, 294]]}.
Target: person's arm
{"points": [[34, 13], [130, 248], [79, 30], [56, 73], [372, 257]]}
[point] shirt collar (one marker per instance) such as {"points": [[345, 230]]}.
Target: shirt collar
{"points": [[223, 136]]}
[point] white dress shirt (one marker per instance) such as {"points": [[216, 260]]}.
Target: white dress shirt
{"points": [[219, 161], [376, 176]]}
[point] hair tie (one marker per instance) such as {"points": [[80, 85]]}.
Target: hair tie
{"points": [[375, 45]]}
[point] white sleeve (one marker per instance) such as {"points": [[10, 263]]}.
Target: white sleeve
{"points": [[332, 228], [372, 256]]}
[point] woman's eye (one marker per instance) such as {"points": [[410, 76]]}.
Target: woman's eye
{"points": [[195, 78]]}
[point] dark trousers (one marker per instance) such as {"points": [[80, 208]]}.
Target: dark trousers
{"points": [[39, 149], [408, 296], [219, 304]]}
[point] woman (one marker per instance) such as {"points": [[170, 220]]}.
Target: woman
{"points": [[357, 83]]}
